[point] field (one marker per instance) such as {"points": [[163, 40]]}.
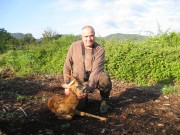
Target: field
{"points": [[135, 110], [145, 97]]}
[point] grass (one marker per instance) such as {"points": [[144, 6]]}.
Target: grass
{"points": [[169, 89]]}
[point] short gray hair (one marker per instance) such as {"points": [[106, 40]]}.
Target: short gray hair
{"points": [[88, 27]]}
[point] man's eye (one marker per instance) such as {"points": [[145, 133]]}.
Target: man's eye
{"points": [[91, 36]]}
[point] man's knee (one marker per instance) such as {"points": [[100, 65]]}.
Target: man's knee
{"points": [[104, 82]]}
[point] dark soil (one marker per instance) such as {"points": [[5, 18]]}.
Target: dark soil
{"points": [[135, 110]]}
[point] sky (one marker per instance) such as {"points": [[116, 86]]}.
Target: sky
{"points": [[106, 16]]}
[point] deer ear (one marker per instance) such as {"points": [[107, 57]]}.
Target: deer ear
{"points": [[65, 86]]}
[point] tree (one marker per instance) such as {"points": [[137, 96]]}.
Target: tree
{"points": [[49, 35], [28, 39], [5, 39]]}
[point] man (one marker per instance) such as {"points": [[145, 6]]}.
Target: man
{"points": [[85, 61]]}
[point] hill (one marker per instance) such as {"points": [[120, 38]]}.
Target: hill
{"points": [[18, 35], [119, 36], [126, 36]]}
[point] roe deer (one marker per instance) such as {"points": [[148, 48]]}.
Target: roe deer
{"points": [[67, 107]]}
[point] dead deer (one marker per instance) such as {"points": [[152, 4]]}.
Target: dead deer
{"points": [[66, 107]]}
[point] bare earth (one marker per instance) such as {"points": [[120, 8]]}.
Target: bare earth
{"points": [[135, 110]]}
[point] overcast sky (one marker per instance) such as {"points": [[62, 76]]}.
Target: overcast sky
{"points": [[106, 16]]}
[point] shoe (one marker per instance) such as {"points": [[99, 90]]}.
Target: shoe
{"points": [[104, 107]]}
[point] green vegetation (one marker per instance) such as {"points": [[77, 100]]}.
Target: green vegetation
{"points": [[155, 60], [147, 62], [20, 98], [169, 89], [8, 42], [40, 58]]}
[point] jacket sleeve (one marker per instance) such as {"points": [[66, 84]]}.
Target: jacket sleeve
{"points": [[97, 68], [68, 65]]}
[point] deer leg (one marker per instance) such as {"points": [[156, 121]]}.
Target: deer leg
{"points": [[65, 116], [90, 115]]}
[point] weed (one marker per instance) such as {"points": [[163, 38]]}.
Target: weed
{"points": [[20, 98], [67, 125], [169, 89]]}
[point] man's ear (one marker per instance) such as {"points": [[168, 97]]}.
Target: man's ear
{"points": [[65, 86]]}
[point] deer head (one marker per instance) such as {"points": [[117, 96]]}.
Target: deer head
{"points": [[74, 86]]}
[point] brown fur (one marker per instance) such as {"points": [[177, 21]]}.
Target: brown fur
{"points": [[66, 107]]}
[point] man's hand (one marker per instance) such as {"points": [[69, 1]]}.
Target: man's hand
{"points": [[79, 96], [83, 95], [85, 92]]}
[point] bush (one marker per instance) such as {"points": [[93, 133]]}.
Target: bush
{"points": [[156, 60], [39, 59], [146, 62]]}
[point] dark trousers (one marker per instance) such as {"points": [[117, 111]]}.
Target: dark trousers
{"points": [[104, 85]]}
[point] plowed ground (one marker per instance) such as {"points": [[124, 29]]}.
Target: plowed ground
{"points": [[135, 110]]}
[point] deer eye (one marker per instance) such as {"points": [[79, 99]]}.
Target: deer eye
{"points": [[78, 86]]}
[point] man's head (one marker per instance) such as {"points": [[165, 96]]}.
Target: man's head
{"points": [[88, 36]]}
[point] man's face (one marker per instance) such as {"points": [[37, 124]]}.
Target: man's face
{"points": [[88, 37]]}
